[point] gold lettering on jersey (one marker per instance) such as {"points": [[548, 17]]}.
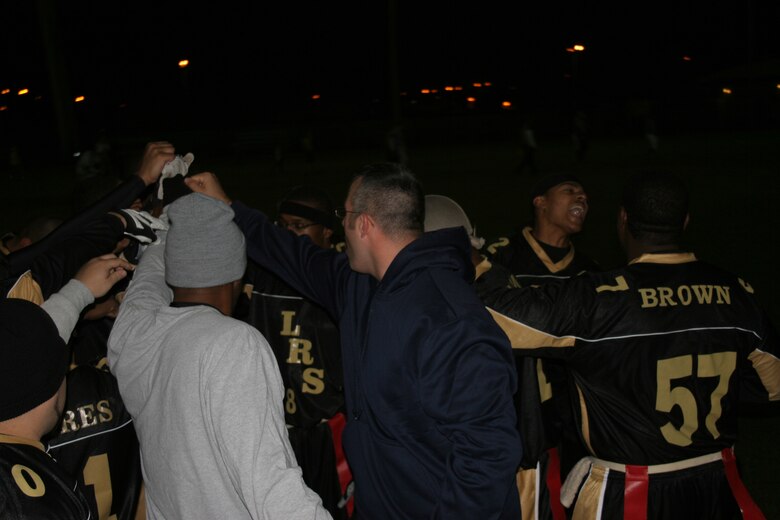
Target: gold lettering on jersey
{"points": [[287, 324], [290, 406], [665, 296], [313, 381], [501, 242], [620, 285], [69, 422], [685, 295], [745, 285], [86, 416], [104, 411], [37, 489], [719, 365], [300, 352], [703, 293]]}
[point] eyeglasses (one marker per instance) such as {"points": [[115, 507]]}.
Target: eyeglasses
{"points": [[342, 212], [294, 226]]}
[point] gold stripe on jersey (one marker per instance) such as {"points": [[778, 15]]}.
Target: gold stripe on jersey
{"points": [[551, 266], [768, 368], [524, 337], [26, 288], [664, 258], [13, 439], [527, 484], [483, 267], [486, 265], [585, 428], [620, 285]]}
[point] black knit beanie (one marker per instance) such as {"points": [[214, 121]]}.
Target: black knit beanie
{"points": [[33, 357]]}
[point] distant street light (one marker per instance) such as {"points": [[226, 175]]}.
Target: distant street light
{"points": [[574, 80], [24, 91], [183, 63], [79, 99]]}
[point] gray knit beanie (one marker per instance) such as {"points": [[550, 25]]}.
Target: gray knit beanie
{"points": [[204, 247]]}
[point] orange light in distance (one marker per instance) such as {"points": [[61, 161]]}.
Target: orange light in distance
{"points": [[79, 99], [24, 91], [726, 90], [3, 108], [506, 104], [183, 63], [5, 91], [315, 96]]}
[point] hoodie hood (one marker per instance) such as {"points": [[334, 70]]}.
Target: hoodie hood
{"points": [[447, 249]]}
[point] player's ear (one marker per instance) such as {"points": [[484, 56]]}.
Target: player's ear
{"points": [[365, 224]]}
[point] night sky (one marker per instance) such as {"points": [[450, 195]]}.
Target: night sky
{"points": [[264, 59]]}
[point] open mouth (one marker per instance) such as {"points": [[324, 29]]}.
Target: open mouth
{"points": [[578, 211]]}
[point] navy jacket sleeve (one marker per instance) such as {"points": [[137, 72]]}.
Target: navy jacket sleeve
{"points": [[316, 273]]}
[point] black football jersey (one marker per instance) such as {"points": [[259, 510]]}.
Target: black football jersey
{"points": [[33, 485], [530, 264], [97, 443], [306, 343], [546, 381], [661, 352]]}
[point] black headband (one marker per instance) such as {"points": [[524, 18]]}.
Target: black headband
{"points": [[299, 210], [545, 183]]}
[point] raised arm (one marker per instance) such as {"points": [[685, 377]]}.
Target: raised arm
{"points": [[92, 281], [316, 273]]}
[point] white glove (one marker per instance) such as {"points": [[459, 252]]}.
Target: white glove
{"points": [[178, 166]]}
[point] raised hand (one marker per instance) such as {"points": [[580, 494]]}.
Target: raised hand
{"points": [[207, 184], [156, 154], [101, 273]]}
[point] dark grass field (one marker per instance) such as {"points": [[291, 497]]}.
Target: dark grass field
{"points": [[734, 179]]}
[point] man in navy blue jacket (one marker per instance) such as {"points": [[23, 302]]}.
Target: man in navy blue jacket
{"points": [[428, 375]]}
